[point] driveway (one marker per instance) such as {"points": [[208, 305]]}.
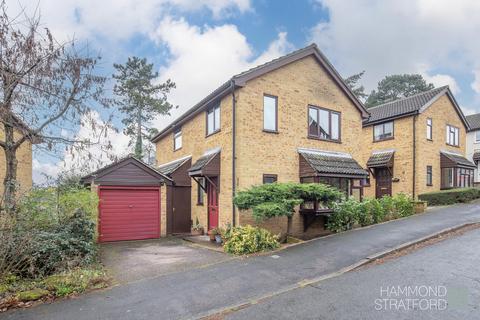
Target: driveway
{"points": [[135, 260], [451, 265], [202, 291]]}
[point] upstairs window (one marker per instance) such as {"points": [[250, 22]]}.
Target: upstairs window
{"points": [[270, 109], [429, 129], [177, 139], [452, 136], [477, 136], [383, 131], [213, 120], [323, 124]]}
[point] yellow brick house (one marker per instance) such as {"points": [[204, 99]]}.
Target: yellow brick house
{"points": [[290, 120], [416, 145]]}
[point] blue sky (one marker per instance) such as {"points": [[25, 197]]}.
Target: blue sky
{"points": [[200, 44]]}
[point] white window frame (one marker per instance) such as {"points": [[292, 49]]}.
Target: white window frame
{"points": [[429, 129], [452, 135], [215, 112], [177, 140], [267, 126]]}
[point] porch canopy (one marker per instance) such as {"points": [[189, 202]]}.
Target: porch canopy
{"points": [[208, 165], [450, 159], [319, 163], [380, 159]]}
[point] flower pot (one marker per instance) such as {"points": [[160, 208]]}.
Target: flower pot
{"points": [[212, 236], [218, 238]]}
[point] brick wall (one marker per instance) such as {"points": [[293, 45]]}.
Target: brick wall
{"points": [[296, 85], [195, 143], [403, 162], [24, 170], [442, 112]]}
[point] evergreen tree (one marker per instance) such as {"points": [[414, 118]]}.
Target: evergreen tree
{"points": [[352, 83], [397, 86], [140, 98]]}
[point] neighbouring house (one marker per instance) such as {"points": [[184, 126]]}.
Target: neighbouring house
{"points": [[291, 119], [473, 143], [416, 145], [24, 158]]}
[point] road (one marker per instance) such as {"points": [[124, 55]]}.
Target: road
{"points": [[446, 275], [203, 291]]}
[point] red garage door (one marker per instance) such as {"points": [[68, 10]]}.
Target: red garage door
{"points": [[129, 213]]}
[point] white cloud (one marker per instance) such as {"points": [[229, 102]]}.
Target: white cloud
{"points": [[89, 158], [468, 111], [386, 37], [476, 82], [117, 19], [202, 58], [439, 80]]}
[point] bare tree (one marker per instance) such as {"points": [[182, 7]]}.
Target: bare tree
{"points": [[48, 87]]}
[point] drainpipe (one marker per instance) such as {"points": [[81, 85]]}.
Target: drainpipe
{"points": [[234, 178], [414, 155]]}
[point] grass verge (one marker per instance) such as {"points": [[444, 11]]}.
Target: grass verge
{"points": [[16, 292]]}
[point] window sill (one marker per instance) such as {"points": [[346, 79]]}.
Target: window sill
{"points": [[431, 140], [326, 140], [200, 204], [386, 139], [452, 145], [211, 134], [270, 131], [177, 149], [429, 185]]}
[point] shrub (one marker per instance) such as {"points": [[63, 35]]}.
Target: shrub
{"points": [[350, 212], [51, 232], [345, 215], [248, 239], [37, 253], [451, 196]]}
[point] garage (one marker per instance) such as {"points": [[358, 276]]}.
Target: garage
{"points": [[130, 200], [129, 213]]}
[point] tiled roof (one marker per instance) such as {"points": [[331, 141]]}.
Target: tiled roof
{"points": [[404, 106], [458, 159], [238, 79], [381, 159], [327, 162], [204, 160], [171, 167], [474, 121]]}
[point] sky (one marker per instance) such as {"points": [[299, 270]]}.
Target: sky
{"points": [[200, 44]]}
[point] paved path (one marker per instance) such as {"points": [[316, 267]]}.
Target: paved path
{"points": [[200, 291], [450, 267]]}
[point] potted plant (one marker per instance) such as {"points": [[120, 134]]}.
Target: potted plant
{"points": [[218, 235], [212, 233], [197, 228]]}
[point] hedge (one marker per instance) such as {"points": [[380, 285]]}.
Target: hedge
{"points": [[450, 196]]}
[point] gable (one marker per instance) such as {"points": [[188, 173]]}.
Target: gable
{"points": [[445, 107], [129, 171]]}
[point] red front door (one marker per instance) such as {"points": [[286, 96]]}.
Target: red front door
{"points": [[212, 196]]}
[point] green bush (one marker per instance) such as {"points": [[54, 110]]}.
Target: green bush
{"points": [[370, 211], [248, 239], [451, 196], [345, 215], [50, 233]]}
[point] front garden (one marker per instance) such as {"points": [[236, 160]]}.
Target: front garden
{"points": [[48, 247], [281, 199]]}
